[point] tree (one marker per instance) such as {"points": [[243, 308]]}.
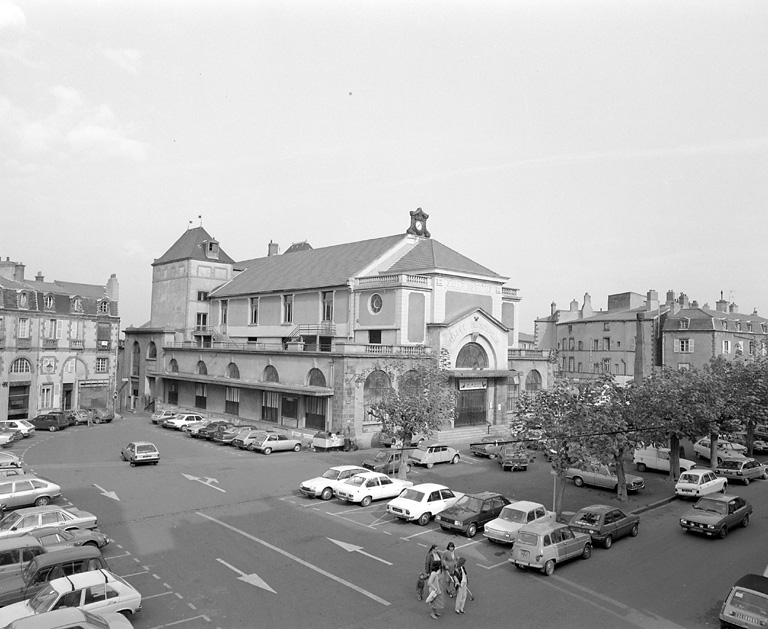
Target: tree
{"points": [[420, 401]]}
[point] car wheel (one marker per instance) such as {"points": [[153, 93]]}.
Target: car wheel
{"points": [[587, 552], [746, 481], [424, 518], [549, 568], [52, 428], [456, 457], [408, 467], [641, 467], [267, 450], [326, 494], [634, 530], [133, 463], [365, 502], [42, 501], [155, 462], [723, 532], [430, 465], [608, 542], [472, 530], [724, 489], [91, 543], [297, 447], [745, 521], [490, 456], [578, 481]]}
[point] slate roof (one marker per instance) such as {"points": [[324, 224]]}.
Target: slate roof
{"points": [[703, 319], [57, 287], [190, 247], [335, 265]]}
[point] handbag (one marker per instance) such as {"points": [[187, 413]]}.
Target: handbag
{"points": [[432, 596]]}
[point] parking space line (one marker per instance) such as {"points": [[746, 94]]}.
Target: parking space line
{"points": [[178, 622], [472, 543], [144, 598], [421, 532], [503, 563], [134, 574]]}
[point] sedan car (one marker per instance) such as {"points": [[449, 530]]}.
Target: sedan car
{"points": [[716, 515], [472, 512], [9, 436], [542, 545], [140, 452], [70, 617], [94, 591], [230, 434], [369, 486], [513, 517], [50, 421], [53, 538], [387, 461], [421, 503], [489, 446], [22, 425], [206, 432], [725, 449], [324, 486], [514, 457], [759, 446], [742, 469], [194, 431], [102, 415], [600, 475], [696, 483], [427, 454], [605, 524], [747, 603], [28, 490], [23, 521], [182, 421], [79, 416]]}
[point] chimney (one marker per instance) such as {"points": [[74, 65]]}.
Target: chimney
{"points": [[733, 309], [39, 277], [113, 288], [652, 300], [586, 309], [574, 305], [670, 297], [721, 305], [272, 249], [683, 300], [18, 272], [694, 304], [552, 308]]}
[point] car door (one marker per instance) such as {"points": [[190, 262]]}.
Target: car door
{"points": [[709, 483], [100, 599], [6, 495], [435, 502], [572, 546], [373, 488], [23, 492], [28, 523]]}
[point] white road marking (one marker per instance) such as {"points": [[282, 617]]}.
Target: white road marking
{"points": [[421, 532], [503, 563], [253, 578], [351, 548]]}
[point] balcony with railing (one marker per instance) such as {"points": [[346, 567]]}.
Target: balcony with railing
{"points": [[395, 279], [50, 343], [24, 342], [103, 346], [528, 353], [76, 344]]}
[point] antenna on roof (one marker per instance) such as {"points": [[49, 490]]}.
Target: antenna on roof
{"points": [[200, 216], [188, 224]]}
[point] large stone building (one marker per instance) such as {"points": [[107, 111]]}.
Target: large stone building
{"points": [[58, 343], [676, 333], [302, 339]]}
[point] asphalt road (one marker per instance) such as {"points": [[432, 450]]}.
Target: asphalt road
{"points": [[218, 538]]}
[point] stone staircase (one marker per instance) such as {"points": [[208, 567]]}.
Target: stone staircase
{"points": [[469, 434]]}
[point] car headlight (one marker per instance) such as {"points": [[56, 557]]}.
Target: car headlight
{"points": [[682, 521], [710, 526]]}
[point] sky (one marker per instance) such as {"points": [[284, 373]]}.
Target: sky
{"points": [[575, 147]]}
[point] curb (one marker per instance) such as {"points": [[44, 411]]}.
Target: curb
{"points": [[653, 505]]}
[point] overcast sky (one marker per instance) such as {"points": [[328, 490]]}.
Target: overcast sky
{"points": [[574, 147]]}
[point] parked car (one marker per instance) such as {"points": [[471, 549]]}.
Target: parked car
{"points": [[79, 416], [159, 417], [22, 425], [23, 521], [69, 617], [725, 449], [513, 517], [323, 487], [17, 552], [387, 461], [274, 442], [24, 491], [230, 434], [658, 459], [369, 486], [514, 457], [543, 545], [206, 432], [427, 454], [140, 452], [472, 512], [9, 436], [742, 469], [194, 431], [716, 515], [761, 431], [182, 421], [9, 460], [697, 483], [94, 591], [55, 538], [388, 441], [489, 446], [747, 603], [244, 440], [759, 446], [605, 524], [102, 415], [421, 503], [50, 421], [600, 475]]}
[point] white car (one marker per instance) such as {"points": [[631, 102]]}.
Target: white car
{"points": [[96, 591], [22, 425], [725, 449], [9, 460], [369, 486], [421, 503], [158, 417], [696, 483], [324, 486], [69, 617], [513, 517], [183, 421]]}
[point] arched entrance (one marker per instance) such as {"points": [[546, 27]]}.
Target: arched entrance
{"points": [[471, 403]]}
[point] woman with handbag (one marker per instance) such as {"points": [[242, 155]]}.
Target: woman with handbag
{"points": [[435, 597], [462, 586], [449, 565]]}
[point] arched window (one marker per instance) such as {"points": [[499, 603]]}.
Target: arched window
{"points": [[472, 356], [377, 386], [202, 369], [232, 371], [135, 359], [533, 382], [104, 306], [173, 366], [270, 374], [316, 378], [49, 302], [21, 365], [152, 350], [410, 382], [23, 300]]}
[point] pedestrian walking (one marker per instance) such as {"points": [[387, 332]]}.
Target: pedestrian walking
{"points": [[435, 597], [90, 419], [433, 561], [462, 585], [449, 565], [420, 585]]}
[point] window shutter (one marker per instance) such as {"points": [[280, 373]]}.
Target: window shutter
{"points": [[690, 346], [58, 328], [677, 346]]}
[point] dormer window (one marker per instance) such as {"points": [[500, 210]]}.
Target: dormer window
{"points": [[77, 304], [49, 302], [104, 306], [211, 249], [23, 300], [749, 326], [724, 323], [684, 324], [738, 326]]}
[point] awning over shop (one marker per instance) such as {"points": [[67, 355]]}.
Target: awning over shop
{"points": [[278, 387]]}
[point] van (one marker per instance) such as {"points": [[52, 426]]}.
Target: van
{"points": [[46, 567], [16, 552], [658, 459], [544, 544]]}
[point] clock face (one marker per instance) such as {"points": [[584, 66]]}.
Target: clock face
{"points": [[375, 303], [418, 225]]}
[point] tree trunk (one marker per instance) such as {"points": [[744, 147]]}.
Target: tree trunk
{"points": [[621, 493], [559, 489], [674, 457], [713, 450]]}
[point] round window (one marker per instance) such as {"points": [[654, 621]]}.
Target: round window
{"points": [[375, 303]]}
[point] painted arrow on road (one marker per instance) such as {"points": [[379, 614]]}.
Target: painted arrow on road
{"points": [[253, 578], [350, 548], [108, 494], [206, 482]]}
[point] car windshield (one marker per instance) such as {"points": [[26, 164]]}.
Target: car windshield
{"points": [[332, 474], [707, 504], [513, 515], [43, 600], [587, 517], [470, 503], [750, 602], [527, 538], [412, 494], [9, 521], [356, 480], [381, 456], [689, 478]]}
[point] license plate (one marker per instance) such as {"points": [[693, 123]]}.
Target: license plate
{"points": [[524, 554]]}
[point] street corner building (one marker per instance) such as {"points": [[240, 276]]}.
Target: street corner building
{"points": [[297, 340], [58, 344]]}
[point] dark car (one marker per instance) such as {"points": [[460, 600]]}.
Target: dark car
{"points": [[387, 461], [230, 434], [747, 603], [514, 457], [716, 515], [471, 512], [102, 415], [212, 428], [50, 421], [605, 524]]}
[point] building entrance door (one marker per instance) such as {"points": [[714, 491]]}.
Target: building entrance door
{"points": [[66, 398], [471, 408]]}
